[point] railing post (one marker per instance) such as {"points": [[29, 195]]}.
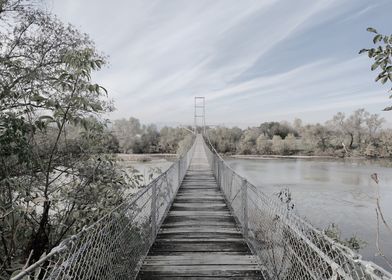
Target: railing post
{"points": [[219, 174], [244, 187], [153, 212], [217, 170], [179, 173]]}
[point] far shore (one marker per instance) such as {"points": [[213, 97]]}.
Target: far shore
{"points": [[170, 157], [145, 157], [290, 157]]}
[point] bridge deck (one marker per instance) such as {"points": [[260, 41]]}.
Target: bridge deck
{"points": [[199, 238]]}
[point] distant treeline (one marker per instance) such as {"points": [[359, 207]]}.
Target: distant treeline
{"points": [[359, 134], [129, 136]]}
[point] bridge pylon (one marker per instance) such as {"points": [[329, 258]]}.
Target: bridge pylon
{"points": [[200, 113]]}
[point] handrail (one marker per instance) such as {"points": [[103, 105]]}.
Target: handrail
{"points": [[288, 247], [115, 245]]}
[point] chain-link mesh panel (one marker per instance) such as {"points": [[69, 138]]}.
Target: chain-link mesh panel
{"points": [[114, 247], [287, 246]]}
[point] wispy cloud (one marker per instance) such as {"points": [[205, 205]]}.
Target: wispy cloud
{"points": [[253, 60]]}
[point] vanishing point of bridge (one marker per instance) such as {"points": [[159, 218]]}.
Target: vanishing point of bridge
{"points": [[201, 220]]}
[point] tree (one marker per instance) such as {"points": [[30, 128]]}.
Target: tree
{"points": [[278, 145], [51, 183], [127, 132], [11, 8], [264, 145], [355, 124], [290, 143], [148, 141], [225, 140], [347, 127], [169, 139], [185, 144], [386, 143], [275, 128], [373, 124], [247, 144], [317, 137], [371, 150], [382, 56], [297, 124]]}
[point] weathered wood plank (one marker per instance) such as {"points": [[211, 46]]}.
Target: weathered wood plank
{"points": [[202, 270], [199, 213], [194, 218], [209, 259], [198, 224], [204, 235], [210, 229], [190, 239], [199, 238]]}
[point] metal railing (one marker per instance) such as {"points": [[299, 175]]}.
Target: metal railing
{"points": [[287, 246], [115, 246]]}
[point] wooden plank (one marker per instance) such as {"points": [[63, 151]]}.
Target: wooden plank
{"points": [[200, 247], [203, 235], [198, 224], [189, 239], [199, 238], [199, 205], [217, 258], [184, 199], [199, 213], [216, 219], [209, 229], [202, 270], [152, 276]]}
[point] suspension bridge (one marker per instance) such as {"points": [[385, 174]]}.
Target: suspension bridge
{"points": [[201, 220]]}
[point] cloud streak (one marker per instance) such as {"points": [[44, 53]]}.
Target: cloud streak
{"points": [[253, 60]]}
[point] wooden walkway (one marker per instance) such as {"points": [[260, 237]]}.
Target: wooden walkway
{"points": [[199, 238]]}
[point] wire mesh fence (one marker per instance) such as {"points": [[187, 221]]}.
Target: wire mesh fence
{"points": [[115, 246], [287, 246]]}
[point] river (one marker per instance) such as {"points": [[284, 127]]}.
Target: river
{"points": [[329, 191]]}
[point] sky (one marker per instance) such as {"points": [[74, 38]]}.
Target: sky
{"points": [[252, 60]]}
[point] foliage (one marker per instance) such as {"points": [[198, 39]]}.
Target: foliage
{"points": [[358, 134], [264, 145], [354, 242], [381, 54], [225, 139], [317, 137], [290, 143], [285, 197], [278, 145], [247, 144], [140, 139], [270, 129], [170, 138], [55, 174], [185, 144], [126, 133]]}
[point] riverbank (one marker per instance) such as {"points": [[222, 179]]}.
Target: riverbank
{"points": [[146, 157], [282, 156]]}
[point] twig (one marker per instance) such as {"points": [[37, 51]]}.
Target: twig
{"points": [[379, 250], [28, 260]]}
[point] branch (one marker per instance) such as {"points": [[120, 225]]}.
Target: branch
{"points": [[64, 232], [379, 250], [57, 140]]}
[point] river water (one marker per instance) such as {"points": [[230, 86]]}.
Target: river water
{"points": [[329, 191]]}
